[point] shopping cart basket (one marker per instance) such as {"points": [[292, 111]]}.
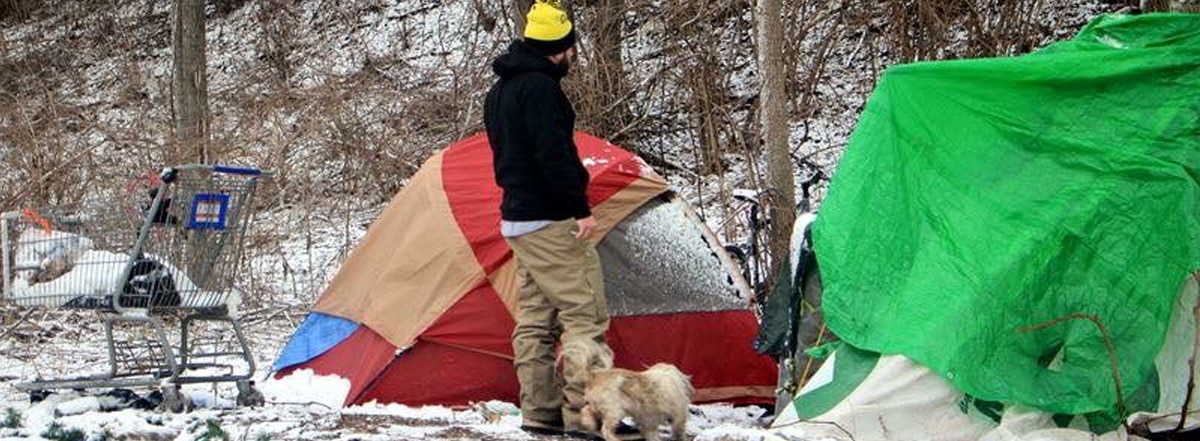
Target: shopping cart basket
{"points": [[136, 258]]}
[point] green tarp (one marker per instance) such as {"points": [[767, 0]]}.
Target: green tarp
{"points": [[980, 197]]}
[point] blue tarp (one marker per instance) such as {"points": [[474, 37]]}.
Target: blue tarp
{"points": [[319, 333]]}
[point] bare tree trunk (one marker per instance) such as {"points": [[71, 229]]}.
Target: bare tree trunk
{"points": [[189, 107], [1154, 5], [519, 9], [189, 85], [781, 198]]}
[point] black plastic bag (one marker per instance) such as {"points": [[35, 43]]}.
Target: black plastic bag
{"points": [[150, 284]]}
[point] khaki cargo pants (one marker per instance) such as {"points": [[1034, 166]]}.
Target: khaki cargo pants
{"points": [[562, 295]]}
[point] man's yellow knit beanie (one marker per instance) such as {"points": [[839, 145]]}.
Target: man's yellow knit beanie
{"points": [[548, 29]]}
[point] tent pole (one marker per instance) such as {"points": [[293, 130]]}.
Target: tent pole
{"points": [[1191, 385]]}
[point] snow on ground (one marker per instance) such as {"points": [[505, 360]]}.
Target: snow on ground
{"points": [[295, 420], [304, 386]]}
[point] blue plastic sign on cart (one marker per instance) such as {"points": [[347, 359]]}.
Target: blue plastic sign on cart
{"points": [[208, 211]]}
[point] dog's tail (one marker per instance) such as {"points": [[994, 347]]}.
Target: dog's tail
{"points": [[671, 381], [585, 356]]}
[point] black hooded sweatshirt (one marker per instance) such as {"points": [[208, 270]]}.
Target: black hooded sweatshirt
{"points": [[530, 126]]}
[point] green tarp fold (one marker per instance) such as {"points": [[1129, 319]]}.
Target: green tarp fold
{"points": [[979, 201]]}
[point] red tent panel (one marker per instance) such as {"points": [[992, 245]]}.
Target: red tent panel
{"points": [[612, 168], [714, 348], [430, 373], [474, 197], [359, 358], [479, 321]]}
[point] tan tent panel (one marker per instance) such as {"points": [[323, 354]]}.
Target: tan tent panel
{"points": [[386, 261]]}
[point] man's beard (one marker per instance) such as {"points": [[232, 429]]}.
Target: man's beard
{"points": [[565, 64]]}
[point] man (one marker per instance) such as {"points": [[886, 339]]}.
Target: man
{"points": [[545, 215]]}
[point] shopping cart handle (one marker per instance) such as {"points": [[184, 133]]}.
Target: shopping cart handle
{"points": [[234, 170]]}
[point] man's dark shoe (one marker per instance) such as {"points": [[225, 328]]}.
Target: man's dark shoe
{"points": [[542, 427], [624, 432], [583, 435]]}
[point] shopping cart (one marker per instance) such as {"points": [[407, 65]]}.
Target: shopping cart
{"points": [[170, 250]]}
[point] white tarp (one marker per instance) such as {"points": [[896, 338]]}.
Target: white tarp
{"points": [[67, 268], [899, 400]]}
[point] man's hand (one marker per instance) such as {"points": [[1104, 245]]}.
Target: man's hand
{"points": [[586, 226]]}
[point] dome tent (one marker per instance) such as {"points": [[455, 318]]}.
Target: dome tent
{"points": [[422, 311]]}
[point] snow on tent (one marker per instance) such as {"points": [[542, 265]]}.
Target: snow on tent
{"points": [[1009, 247], [422, 311]]}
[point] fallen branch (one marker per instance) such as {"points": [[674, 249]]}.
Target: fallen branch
{"points": [[301, 403], [827, 423], [808, 363], [1108, 344], [19, 321]]}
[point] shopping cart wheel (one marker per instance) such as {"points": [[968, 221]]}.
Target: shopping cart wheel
{"points": [[173, 400], [248, 395], [39, 395]]}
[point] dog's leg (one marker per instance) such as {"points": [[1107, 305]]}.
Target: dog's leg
{"points": [[679, 425], [650, 432], [677, 417], [588, 418], [609, 429], [649, 426]]}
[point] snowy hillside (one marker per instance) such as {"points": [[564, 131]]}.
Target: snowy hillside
{"points": [[344, 100]]}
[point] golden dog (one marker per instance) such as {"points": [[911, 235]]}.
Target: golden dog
{"points": [[653, 397]]}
